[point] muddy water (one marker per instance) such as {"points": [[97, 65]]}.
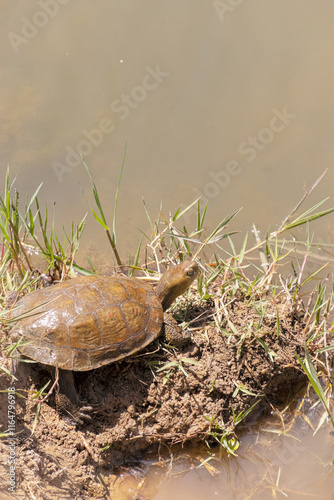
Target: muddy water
{"points": [[232, 101], [280, 457]]}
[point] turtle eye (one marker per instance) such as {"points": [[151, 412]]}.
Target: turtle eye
{"points": [[190, 272]]}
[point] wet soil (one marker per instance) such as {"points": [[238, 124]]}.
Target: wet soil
{"points": [[162, 396]]}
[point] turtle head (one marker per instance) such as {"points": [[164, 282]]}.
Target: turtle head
{"points": [[175, 282]]}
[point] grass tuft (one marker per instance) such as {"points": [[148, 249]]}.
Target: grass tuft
{"points": [[250, 277]]}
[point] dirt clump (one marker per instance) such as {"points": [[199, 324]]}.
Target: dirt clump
{"points": [[162, 395]]}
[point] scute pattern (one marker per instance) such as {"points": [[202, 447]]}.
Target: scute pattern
{"points": [[87, 322]]}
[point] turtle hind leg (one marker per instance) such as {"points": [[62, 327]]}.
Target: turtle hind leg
{"points": [[68, 401]]}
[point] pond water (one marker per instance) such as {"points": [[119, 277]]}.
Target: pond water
{"points": [[228, 100], [282, 457], [231, 101]]}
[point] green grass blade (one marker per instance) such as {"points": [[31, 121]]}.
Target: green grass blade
{"points": [[244, 414], [148, 218], [313, 275], [203, 216], [309, 369], [243, 248], [180, 214], [136, 259], [116, 196], [99, 220], [34, 196], [325, 349], [140, 230], [96, 196], [311, 218]]}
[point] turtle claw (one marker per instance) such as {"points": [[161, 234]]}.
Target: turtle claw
{"points": [[84, 412], [69, 405], [79, 416]]}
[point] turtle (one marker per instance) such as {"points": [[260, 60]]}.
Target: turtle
{"points": [[90, 321]]}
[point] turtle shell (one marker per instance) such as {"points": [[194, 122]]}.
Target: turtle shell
{"points": [[87, 322]]}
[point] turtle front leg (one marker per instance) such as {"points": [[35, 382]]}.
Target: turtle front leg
{"points": [[68, 401], [174, 335]]}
